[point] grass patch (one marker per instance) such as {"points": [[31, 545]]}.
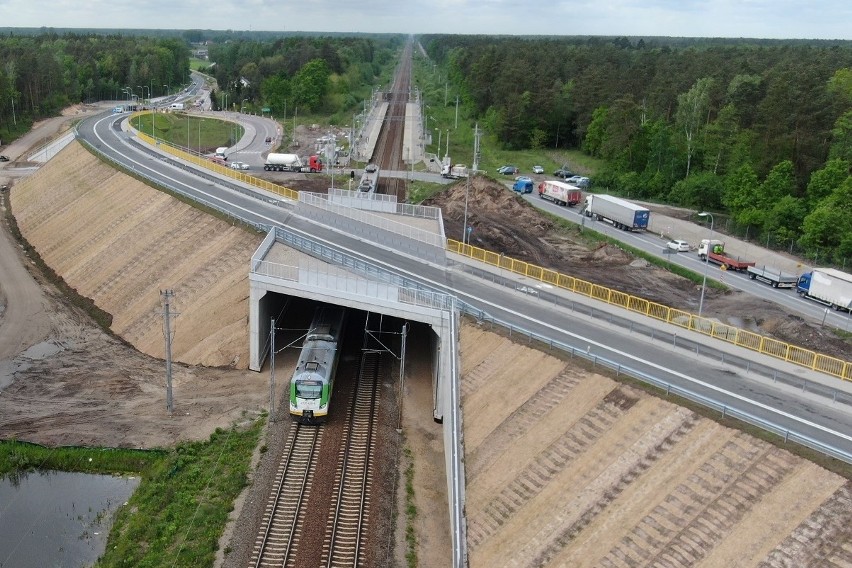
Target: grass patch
{"points": [[179, 510], [20, 457], [188, 131], [181, 507], [420, 191], [410, 511]]}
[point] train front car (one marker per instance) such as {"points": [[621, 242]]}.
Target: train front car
{"points": [[313, 380]]}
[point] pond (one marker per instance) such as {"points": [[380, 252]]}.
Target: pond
{"points": [[57, 518]]}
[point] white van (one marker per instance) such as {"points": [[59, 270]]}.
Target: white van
{"points": [[220, 152], [176, 106]]}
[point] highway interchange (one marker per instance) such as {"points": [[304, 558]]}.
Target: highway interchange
{"points": [[813, 416]]}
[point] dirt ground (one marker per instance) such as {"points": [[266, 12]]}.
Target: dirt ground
{"points": [[504, 223], [64, 381], [574, 469]]}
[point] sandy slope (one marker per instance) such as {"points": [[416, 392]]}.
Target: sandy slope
{"points": [[566, 467]]}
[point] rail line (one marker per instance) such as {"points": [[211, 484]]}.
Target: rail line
{"points": [[388, 151], [285, 511], [345, 540]]}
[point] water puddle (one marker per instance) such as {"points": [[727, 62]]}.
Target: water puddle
{"points": [[57, 518]]}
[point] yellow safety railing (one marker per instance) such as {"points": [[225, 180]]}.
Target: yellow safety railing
{"points": [[762, 344], [284, 192]]}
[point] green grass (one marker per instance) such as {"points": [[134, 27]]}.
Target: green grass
{"points": [[188, 131], [410, 511], [19, 457], [177, 514]]}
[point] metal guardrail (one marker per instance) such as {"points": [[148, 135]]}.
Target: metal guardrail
{"points": [[395, 227], [727, 410], [328, 254], [753, 341]]}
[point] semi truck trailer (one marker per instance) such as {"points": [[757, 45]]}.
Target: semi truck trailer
{"points": [[560, 193], [292, 163], [772, 276], [621, 213], [827, 286]]}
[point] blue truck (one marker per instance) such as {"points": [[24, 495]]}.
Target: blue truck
{"points": [[827, 286]]}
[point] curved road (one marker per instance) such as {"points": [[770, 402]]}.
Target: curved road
{"points": [[812, 416]]}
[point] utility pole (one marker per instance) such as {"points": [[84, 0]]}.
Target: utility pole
{"points": [[401, 377], [476, 151], [457, 112], [167, 296], [272, 369]]}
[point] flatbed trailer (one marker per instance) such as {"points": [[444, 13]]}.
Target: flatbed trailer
{"points": [[772, 276]]}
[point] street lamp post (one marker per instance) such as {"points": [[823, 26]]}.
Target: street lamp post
{"points": [[706, 261]]}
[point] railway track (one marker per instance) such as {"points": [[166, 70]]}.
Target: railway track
{"points": [[277, 543], [388, 150], [346, 534]]}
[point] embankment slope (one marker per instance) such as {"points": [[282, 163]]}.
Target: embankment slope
{"points": [[119, 242]]}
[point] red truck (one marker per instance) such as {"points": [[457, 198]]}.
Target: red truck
{"points": [[714, 251]]}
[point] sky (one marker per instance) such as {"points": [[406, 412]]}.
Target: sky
{"points": [[777, 19]]}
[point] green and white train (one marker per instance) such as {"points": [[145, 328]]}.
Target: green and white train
{"points": [[313, 380]]}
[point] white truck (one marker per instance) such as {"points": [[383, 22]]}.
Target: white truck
{"points": [[827, 286], [176, 106], [454, 171], [221, 152], [560, 193], [620, 212], [291, 163]]}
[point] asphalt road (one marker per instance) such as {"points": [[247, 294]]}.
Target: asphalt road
{"points": [[813, 416]]}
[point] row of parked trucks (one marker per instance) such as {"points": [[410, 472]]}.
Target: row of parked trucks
{"points": [[825, 285]]}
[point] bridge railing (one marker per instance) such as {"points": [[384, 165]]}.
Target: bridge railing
{"points": [[366, 217], [706, 326], [725, 409]]}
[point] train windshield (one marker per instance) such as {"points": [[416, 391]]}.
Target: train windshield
{"points": [[308, 389]]}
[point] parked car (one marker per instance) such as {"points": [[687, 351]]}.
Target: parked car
{"points": [[239, 166], [579, 181], [538, 170], [564, 174], [678, 245], [508, 170], [269, 139], [4, 159]]}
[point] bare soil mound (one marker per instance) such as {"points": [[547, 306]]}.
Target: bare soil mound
{"points": [[504, 223]]}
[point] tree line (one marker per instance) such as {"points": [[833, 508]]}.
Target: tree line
{"points": [[760, 130], [757, 129]]}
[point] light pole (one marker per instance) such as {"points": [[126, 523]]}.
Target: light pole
{"points": [[706, 261]]}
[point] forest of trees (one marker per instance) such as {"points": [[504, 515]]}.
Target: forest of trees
{"points": [[761, 130], [328, 75]]}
